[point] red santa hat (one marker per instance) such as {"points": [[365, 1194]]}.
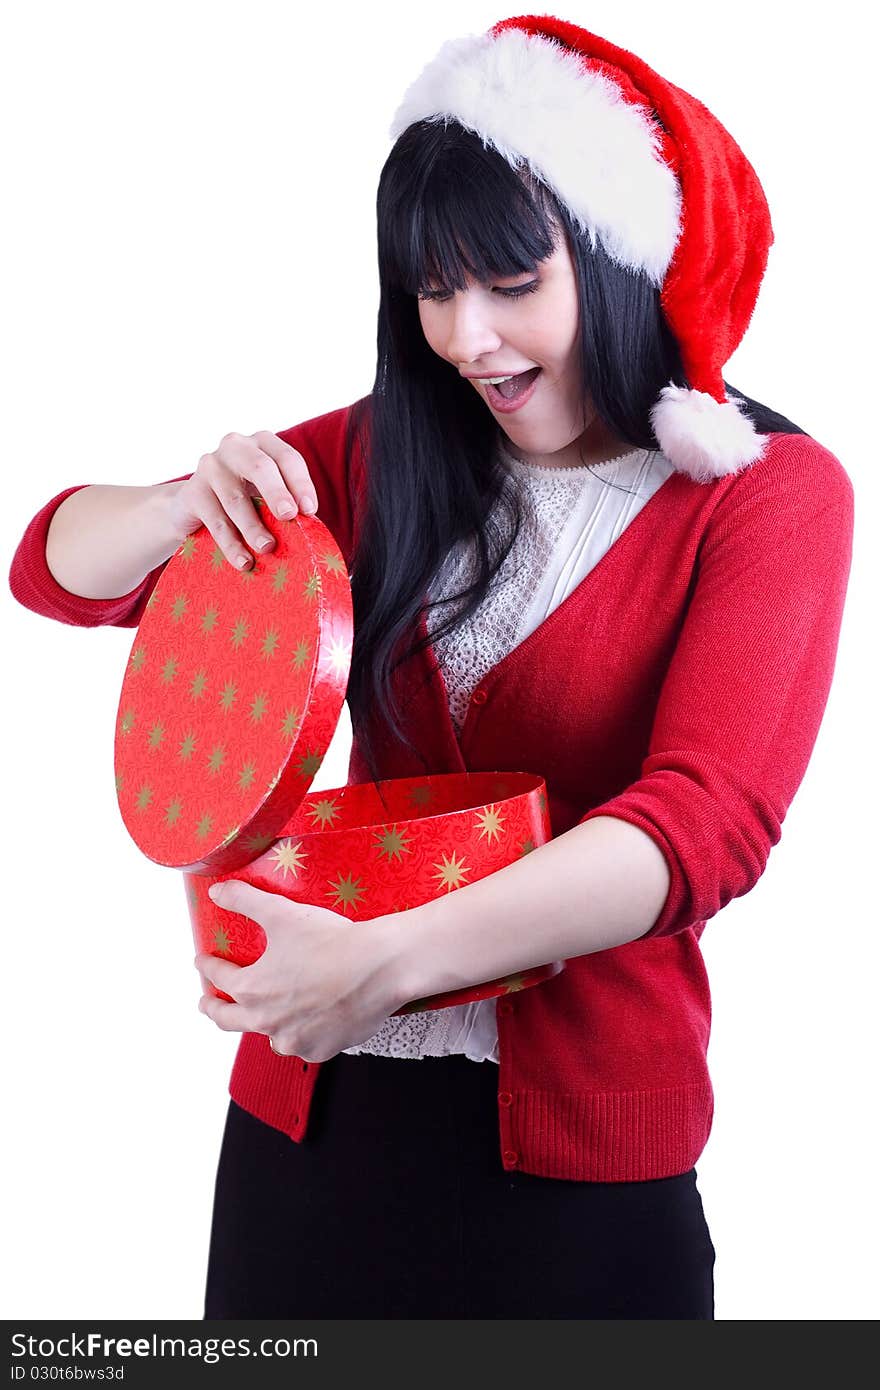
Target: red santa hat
{"points": [[644, 169]]}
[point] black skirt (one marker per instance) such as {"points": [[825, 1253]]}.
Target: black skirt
{"points": [[396, 1205]]}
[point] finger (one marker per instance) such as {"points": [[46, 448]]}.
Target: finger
{"points": [[222, 973], [232, 481], [234, 895], [215, 520], [230, 1017], [283, 474]]}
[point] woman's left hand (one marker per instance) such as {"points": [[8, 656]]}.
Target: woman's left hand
{"points": [[323, 982]]}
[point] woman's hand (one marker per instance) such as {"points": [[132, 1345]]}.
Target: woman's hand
{"points": [[323, 982], [218, 494]]}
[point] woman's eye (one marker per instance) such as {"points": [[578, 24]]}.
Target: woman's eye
{"points": [[513, 292]]}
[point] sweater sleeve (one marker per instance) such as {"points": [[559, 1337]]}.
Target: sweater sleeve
{"points": [[321, 441], [746, 689]]}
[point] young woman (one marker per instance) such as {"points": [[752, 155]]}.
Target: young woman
{"points": [[574, 549]]}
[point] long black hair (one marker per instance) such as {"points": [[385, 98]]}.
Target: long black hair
{"points": [[447, 206]]}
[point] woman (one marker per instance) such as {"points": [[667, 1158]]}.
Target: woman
{"points": [[616, 571]]}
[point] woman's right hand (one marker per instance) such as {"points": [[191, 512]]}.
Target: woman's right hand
{"points": [[219, 493]]}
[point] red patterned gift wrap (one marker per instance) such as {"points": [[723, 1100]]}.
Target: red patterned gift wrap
{"points": [[231, 696]]}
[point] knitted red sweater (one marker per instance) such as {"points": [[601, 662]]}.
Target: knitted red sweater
{"points": [[681, 687]]}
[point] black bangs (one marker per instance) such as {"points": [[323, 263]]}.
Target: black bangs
{"points": [[449, 208]]}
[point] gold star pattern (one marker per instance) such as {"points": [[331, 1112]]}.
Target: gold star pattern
{"points": [[259, 705], [239, 633], [542, 800], [188, 549], [324, 812], [169, 670], [152, 600], [217, 558], [280, 578], [178, 608], [173, 810], [346, 891], [421, 796], [209, 620], [391, 843], [451, 872], [515, 983], [334, 564], [289, 723], [199, 681], [526, 847], [137, 659], [144, 797], [300, 655], [246, 776], [127, 721], [204, 826], [186, 748], [227, 699], [217, 758], [312, 586], [270, 642], [221, 940], [256, 844], [157, 733], [490, 823], [338, 656], [289, 858], [310, 763], [119, 781]]}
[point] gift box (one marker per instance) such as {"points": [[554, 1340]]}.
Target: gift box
{"points": [[231, 696]]}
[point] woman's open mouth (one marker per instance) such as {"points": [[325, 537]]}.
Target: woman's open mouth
{"points": [[513, 394]]}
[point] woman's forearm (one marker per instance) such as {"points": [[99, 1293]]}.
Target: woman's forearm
{"points": [[103, 539], [602, 883]]}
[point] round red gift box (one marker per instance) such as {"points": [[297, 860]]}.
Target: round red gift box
{"points": [[231, 696]]}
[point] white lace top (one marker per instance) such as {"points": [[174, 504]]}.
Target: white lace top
{"points": [[573, 516]]}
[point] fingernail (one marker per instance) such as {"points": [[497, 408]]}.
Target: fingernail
{"points": [[215, 891], [308, 504], [286, 509]]}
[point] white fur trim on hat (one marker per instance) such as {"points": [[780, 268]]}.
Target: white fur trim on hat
{"points": [[702, 437], [518, 92]]}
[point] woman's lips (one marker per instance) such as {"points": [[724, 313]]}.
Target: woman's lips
{"points": [[506, 406]]}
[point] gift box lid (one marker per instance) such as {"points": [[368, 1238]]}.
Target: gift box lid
{"points": [[231, 696]]}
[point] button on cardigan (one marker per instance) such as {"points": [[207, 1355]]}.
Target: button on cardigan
{"points": [[680, 686]]}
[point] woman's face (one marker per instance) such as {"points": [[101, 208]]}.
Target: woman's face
{"points": [[510, 326]]}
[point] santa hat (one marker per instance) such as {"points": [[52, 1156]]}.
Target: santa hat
{"points": [[646, 170]]}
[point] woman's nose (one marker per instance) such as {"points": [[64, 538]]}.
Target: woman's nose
{"points": [[472, 333]]}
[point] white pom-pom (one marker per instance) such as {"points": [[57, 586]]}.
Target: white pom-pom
{"points": [[703, 437]]}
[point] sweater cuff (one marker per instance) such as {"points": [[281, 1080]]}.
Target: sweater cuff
{"points": [[35, 587], [677, 913]]}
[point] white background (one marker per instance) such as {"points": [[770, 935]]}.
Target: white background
{"points": [[190, 249]]}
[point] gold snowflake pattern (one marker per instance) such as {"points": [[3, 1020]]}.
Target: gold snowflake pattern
{"points": [[280, 577], [334, 564], [178, 608], [221, 941], [137, 659], [270, 642], [209, 620], [203, 829], [259, 705]]}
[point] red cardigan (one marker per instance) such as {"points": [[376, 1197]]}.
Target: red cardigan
{"points": [[681, 687]]}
